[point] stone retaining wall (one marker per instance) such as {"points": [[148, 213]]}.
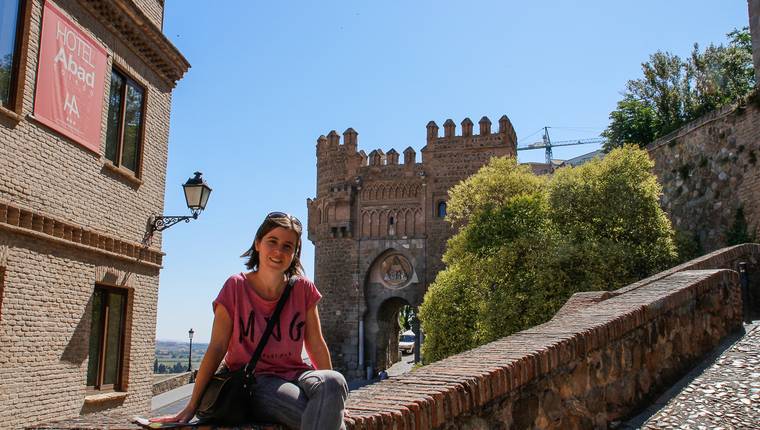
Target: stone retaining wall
{"points": [[709, 169], [585, 368], [173, 382]]}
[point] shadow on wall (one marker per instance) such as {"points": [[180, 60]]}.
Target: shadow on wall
{"points": [[78, 347]]}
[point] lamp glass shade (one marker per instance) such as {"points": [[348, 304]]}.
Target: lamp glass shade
{"points": [[190, 334], [193, 195], [205, 193], [197, 192]]}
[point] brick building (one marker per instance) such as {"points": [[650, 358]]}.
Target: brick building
{"points": [[86, 88], [379, 233]]}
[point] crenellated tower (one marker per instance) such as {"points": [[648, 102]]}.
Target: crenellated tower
{"points": [[378, 227]]}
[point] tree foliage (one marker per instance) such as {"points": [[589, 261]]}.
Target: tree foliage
{"points": [[674, 91], [527, 243]]}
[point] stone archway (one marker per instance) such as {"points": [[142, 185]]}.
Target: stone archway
{"points": [[391, 282], [388, 329]]}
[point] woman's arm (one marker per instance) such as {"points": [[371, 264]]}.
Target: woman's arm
{"points": [[315, 342], [220, 338]]}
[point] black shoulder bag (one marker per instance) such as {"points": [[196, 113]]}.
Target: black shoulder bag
{"points": [[228, 395]]}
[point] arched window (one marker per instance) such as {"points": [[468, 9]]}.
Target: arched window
{"points": [[441, 209]]}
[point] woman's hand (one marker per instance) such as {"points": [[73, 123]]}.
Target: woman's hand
{"points": [[184, 416]]}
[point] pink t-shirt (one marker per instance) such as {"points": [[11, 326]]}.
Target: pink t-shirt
{"points": [[249, 313]]}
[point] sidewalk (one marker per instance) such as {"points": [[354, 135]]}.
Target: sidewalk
{"points": [[171, 401], [722, 393]]}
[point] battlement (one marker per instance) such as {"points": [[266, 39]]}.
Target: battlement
{"points": [[343, 154], [506, 131], [331, 147]]}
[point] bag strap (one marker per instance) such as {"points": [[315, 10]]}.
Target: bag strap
{"points": [[251, 366]]}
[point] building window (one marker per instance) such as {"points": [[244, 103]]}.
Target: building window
{"points": [[10, 36], [107, 328], [441, 210], [125, 115]]}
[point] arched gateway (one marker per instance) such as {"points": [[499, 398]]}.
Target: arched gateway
{"points": [[379, 232]]}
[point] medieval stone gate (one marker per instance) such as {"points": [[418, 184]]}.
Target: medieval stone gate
{"points": [[379, 232]]}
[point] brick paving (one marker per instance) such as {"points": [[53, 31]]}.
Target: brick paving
{"points": [[725, 396]]}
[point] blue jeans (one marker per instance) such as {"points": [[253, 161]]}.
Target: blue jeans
{"points": [[313, 401]]}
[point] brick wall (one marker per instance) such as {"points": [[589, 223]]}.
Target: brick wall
{"points": [[587, 367], [710, 168], [51, 174], [68, 221], [45, 330]]}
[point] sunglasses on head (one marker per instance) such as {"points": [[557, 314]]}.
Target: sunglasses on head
{"points": [[271, 215]]}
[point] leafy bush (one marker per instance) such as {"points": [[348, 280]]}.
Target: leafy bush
{"points": [[527, 243]]}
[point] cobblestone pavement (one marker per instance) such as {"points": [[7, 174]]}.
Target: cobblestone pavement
{"points": [[402, 366], [725, 396]]}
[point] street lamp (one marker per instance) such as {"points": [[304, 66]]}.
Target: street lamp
{"points": [[190, 356], [197, 193]]}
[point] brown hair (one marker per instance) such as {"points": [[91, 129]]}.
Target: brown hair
{"points": [[271, 222]]}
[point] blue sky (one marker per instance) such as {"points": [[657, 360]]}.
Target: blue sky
{"points": [[268, 78]]}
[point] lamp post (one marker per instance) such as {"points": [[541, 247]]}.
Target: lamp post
{"points": [[190, 356], [197, 193]]}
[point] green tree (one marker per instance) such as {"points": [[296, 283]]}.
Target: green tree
{"points": [[405, 315], [722, 74], [526, 244], [674, 91], [500, 211]]}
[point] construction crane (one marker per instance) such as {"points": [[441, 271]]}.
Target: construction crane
{"points": [[547, 144]]}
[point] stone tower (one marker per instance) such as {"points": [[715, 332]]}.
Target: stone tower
{"points": [[379, 232]]}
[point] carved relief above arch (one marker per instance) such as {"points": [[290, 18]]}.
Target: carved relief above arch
{"points": [[392, 270]]}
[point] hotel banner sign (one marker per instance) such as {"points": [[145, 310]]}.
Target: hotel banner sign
{"points": [[70, 79]]}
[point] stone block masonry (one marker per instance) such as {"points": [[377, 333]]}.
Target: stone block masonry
{"points": [[709, 169]]}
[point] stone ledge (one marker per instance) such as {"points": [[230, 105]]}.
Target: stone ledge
{"points": [[172, 382], [42, 226], [96, 399]]}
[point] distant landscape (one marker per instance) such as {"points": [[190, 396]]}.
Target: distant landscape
{"points": [[171, 356]]}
